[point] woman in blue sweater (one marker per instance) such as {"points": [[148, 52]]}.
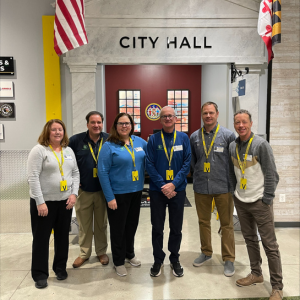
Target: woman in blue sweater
{"points": [[121, 171]]}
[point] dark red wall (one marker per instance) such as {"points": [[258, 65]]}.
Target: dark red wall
{"points": [[153, 81]]}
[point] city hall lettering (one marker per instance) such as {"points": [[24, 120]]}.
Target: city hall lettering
{"points": [[175, 43]]}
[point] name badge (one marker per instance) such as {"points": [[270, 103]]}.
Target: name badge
{"points": [[169, 175], [95, 172], [63, 185], [206, 168], [135, 175], [243, 185], [249, 157], [68, 157], [178, 148], [138, 149], [218, 149]]}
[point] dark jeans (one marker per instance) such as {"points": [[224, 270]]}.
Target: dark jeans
{"points": [[58, 219], [158, 203], [123, 223], [259, 215]]}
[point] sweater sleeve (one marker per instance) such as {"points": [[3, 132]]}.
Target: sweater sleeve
{"points": [[268, 167], [232, 178], [104, 166], [75, 175], [185, 169], [150, 164], [34, 169], [193, 154]]}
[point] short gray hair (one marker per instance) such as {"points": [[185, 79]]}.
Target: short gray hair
{"points": [[243, 111], [210, 103]]}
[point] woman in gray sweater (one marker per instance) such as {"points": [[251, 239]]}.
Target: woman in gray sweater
{"points": [[53, 178]]}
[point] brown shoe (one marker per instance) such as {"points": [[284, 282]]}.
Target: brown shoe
{"points": [[276, 295], [104, 260], [79, 262], [250, 280]]}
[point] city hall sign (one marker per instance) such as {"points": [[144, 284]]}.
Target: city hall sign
{"points": [[174, 42]]}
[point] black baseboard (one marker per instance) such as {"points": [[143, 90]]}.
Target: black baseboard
{"points": [[287, 224]]}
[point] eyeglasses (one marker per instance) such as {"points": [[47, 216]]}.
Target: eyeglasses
{"points": [[127, 124], [167, 116]]}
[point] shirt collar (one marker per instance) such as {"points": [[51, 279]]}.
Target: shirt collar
{"points": [[238, 140], [168, 133], [88, 139], [213, 130]]}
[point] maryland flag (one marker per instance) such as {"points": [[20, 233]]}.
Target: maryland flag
{"points": [[269, 24]]}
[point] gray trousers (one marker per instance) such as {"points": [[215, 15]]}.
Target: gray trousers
{"points": [[260, 215]]}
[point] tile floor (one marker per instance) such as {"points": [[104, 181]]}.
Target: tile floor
{"points": [[95, 281]]}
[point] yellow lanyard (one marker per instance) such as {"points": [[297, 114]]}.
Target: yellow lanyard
{"points": [[243, 164], [165, 148], [62, 160], [212, 142], [131, 153], [96, 160]]}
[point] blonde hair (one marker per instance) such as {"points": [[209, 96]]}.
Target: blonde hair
{"points": [[44, 136]]}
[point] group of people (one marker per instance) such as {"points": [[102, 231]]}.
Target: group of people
{"points": [[102, 175]]}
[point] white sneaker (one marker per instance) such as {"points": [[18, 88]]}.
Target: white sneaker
{"points": [[121, 270], [134, 261]]}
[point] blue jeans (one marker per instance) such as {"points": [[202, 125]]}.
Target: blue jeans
{"points": [[158, 204]]}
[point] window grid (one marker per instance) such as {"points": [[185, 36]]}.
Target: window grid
{"points": [[179, 100], [130, 103]]}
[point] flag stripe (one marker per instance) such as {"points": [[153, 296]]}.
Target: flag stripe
{"points": [[276, 22], [63, 35], [80, 18], [69, 19], [69, 26], [58, 42]]}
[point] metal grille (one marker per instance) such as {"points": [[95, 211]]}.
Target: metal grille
{"points": [[14, 192]]}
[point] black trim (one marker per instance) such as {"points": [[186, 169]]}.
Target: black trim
{"points": [[287, 224], [269, 90]]}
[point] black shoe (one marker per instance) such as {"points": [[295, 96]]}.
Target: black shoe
{"points": [[62, 275], [41, 284], [155, 271], [177, 269]]}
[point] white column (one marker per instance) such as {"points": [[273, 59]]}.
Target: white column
{"points": [[83, 94]]}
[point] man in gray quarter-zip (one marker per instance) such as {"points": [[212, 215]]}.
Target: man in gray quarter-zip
{"points": [[210, 167], [254, 178]]}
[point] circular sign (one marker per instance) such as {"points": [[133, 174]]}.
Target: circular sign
{"points": [[152, 111], [6, 110]]}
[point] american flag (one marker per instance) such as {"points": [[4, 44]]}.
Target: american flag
{"points": [[269, 24], [69, 27]]}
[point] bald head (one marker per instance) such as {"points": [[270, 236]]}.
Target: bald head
{"points": [[167, 110], [168, 118]]}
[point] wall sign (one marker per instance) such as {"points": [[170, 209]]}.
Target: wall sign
{"points": [[7, 110], [7, 65], [149, 42], [152, 111], [239, 88], [6, 89]]}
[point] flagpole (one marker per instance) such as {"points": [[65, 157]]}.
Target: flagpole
{"points": [[269, 90]]}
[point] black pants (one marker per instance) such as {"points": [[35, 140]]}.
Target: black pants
{"points": [[123, 224], [158, 203], [58, 219]]}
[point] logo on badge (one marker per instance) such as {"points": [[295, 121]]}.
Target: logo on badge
{"points": [[152, 111]]}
